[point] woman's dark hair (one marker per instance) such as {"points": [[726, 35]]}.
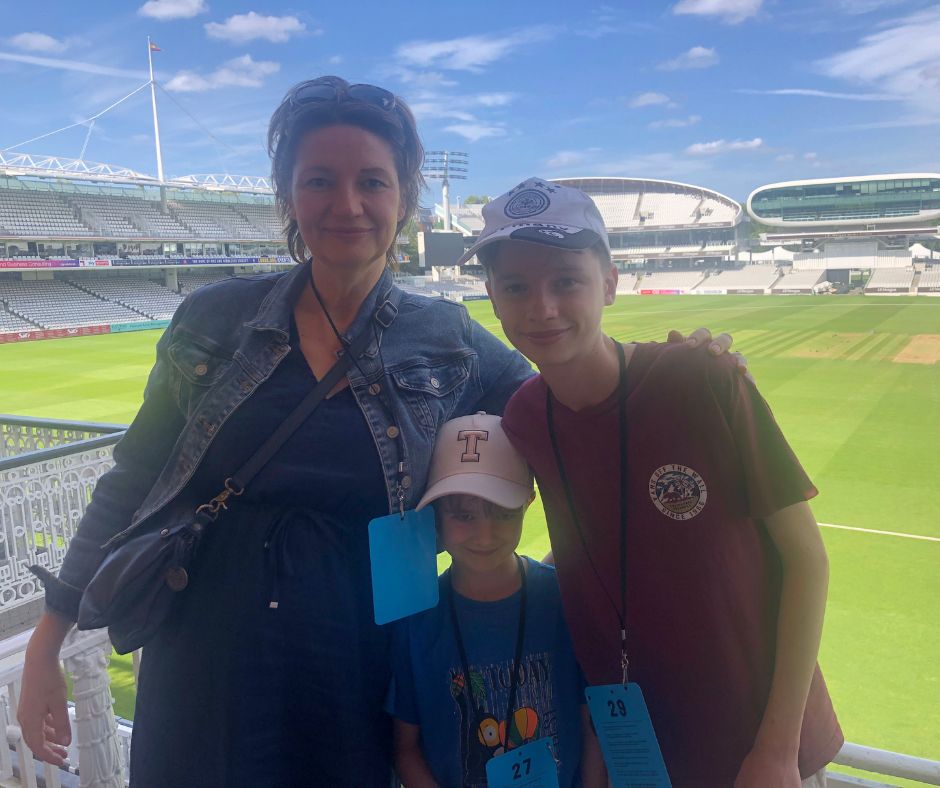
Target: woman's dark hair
{"points": [[292, 121]]}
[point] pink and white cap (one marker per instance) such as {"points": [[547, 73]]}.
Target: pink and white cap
{"points": [[473, 456], [541, 212]]}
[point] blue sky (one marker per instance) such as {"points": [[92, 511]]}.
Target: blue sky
{"points": [[729, 94]]}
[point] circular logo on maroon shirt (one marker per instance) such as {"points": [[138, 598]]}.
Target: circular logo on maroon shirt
{"points": [[678, 491]]}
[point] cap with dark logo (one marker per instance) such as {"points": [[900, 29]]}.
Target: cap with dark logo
{"points": [[541, 212]]}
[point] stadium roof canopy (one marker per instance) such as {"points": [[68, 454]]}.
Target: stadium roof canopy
{"points": [[864, 201], [59, 168], [650, 203]]}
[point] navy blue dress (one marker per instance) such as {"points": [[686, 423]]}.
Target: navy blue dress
{"points": [[271, 671]]}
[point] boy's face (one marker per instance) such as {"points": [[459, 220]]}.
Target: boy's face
{"points": [[550, 300], [479, 537]]}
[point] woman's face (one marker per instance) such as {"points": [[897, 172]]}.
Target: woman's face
{"points": [[345, 196]]}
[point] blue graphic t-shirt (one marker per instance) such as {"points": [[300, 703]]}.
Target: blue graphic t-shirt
{"points": [[429, 688]]}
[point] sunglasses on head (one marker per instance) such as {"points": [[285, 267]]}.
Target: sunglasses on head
{"points": [[316, 92]]}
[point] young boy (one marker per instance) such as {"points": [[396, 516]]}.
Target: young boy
{"points": [[491, 667], [684, 545]]}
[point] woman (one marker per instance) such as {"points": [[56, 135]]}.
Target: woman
{"points": [[270, 671]]}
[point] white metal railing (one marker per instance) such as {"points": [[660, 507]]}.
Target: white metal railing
{"points": [[884, 764], [21, 434], [47, 474]]}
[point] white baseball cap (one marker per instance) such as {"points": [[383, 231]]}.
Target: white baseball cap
{"points": [[473, 456], [541, 212]]}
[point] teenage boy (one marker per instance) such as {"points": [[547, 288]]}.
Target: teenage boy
{"points": [[685, 549], [491, 668]]}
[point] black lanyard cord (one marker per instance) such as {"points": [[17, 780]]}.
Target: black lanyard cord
{"points": [[621, 611], [517, 659]]}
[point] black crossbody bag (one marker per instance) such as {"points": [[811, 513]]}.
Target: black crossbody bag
{"points": [[136, 585]]}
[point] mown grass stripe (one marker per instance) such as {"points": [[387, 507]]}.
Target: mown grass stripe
{"points": [[785, 341], [875, 341], [889, 349]]}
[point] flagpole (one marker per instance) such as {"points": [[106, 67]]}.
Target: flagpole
{"points": [[153, 101]]}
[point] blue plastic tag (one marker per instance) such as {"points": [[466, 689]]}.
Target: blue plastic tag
{"points": [[403, 552], [530, 766], [623, 727]]}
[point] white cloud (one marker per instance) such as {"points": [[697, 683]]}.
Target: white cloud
{"points": [[785, 157], [696, 57], [730, 11], [38, 42], [476, 131], [675, 123], [247, 27], [826, 94], [902, 59], [494, 99], [470, 53], [73, 65], [335, 60], [422, 81], [429, 110], [650, 99], [810, 156], [717, 147], [172, 9], [434, 105], [239, 72]]}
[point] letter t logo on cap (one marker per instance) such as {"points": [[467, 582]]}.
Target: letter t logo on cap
{"points": [[470, 438]]}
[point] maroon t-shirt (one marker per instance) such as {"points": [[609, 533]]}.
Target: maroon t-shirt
{"points": [[706, 461]]}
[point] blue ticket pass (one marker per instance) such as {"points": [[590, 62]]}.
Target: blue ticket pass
{"points": [[403, 553], [529, 766], [629, 745]]}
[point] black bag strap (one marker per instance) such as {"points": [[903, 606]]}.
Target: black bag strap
{"points": [[235, 484]]}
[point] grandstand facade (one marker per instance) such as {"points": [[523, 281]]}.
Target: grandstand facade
{"points": [[664, 221], [87, 250], [911, 200], [864, 225], [45, 218]]}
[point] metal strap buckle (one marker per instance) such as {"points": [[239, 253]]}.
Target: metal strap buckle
{"points": [[219, 502], [386, 313]]}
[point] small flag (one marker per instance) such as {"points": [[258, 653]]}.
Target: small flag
{"points": [[154, 47]]}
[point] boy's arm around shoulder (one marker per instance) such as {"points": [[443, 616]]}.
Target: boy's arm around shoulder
{"points": [[804, 585]]}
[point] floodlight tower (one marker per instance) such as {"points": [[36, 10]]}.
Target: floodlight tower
{"points": [[443, 165]]}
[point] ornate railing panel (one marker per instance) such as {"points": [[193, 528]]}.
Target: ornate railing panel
{"points": [[43, 495]]}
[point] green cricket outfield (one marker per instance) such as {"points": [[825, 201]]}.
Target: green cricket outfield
{"points": [[854, 382]]}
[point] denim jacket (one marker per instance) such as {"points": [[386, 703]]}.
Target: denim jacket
{"points": [[431, 364]]}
